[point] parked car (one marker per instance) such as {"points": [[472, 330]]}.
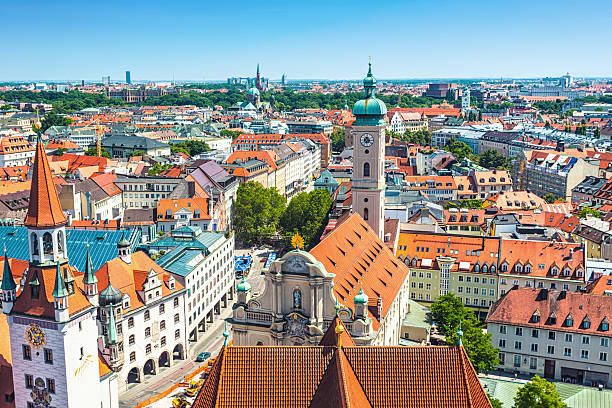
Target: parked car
{"points": [[203, 356]]}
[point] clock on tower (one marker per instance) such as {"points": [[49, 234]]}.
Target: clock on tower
{"points": [[368, 182]]}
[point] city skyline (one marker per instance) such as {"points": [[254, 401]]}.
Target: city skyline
{"points": [[412, 40]]}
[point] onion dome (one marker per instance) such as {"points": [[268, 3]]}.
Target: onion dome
{"points": [[110, 296], [243, 286], [361, 297], [253, 91], [123, 243], [369, 111]]}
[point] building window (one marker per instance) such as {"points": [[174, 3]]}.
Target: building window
{"points": [[585, 339], [502, 329], [502, 343], [518, 345], [147, 332], [535, 333], [550, 349], [130, 322], [568, 337], [147, 315], [163, 341], [148, 349], [177, 333], [603, 356], [162, 325], [567, 352], [365, 214], [131, 340], [27, 352], [51, 385], [534, 347], [533, 363], [132, 356], [517, 360], [48, 356], [584, 354], [604, 342], [176, 318], [551, 335], [518, 331], [176, 302], [162, 308], [366, 169], [29, 381]]}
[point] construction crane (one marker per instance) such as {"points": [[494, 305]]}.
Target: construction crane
{"points": [[98, 139]]}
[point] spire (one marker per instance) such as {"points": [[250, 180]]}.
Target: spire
{"points": [[90, 275], [369, 83], [258, 68], [460, 334], [225, 334], [44, 209], [59, 291], [112, 333], [8, 283]]}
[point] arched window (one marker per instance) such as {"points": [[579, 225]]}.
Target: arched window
{"points": [[34, 244], [147, 315], [414, 261], [148, 332], [133, 356], [176, 302], [47, 244], [130, 322], [148, 349], [476, 268], [132, 340], [60, 242], [176, 318], [492, 268], [366, 169], [485, 268], [162, 308], [297, 299], [365, 214], [162, 325]]}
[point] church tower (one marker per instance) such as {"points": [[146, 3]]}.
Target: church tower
{"points": [[368, 134], [52, 324]]}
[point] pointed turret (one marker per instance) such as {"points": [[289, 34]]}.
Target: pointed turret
{"points": [[60, 295], [90, 281], [9, 288], [124, 250], [44, 208]]}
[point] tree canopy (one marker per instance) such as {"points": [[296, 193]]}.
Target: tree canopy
{"points": [[53, 119], [420, 137], [584, 211], [92, 151], [191, 147], [491, 159], [306, 215], [448, 312], [338, 140], [538, 393], [257, 212], [233, 134], [458, 149]]}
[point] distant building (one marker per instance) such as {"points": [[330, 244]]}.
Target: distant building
{"points": [[310, 127], [125, 145], [128, 77], [465, 102], [442, 90]]}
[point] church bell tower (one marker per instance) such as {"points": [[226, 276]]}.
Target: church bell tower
{"points": [[368, 134]]}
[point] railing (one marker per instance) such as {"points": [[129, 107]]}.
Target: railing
{"points": [[260, 317]]}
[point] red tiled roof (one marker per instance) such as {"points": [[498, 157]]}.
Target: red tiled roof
{"points": [[44, 209], [324, 376], [517, 307]]}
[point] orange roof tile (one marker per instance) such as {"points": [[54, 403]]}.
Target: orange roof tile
{"points": [[44, 209], [6, 364], [358, 258]]}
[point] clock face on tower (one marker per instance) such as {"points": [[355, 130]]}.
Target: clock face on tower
{"points": [[367, 140], [35, 336]]}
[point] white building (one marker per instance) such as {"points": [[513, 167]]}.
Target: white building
{"points": [[203, 262], [465, 102], [555, 334], [15, 151]]}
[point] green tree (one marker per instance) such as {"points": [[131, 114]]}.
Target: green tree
{"points": [[137, 153], [584, 211], [233, 134], [53, 119], [191, 147], [258, 210], [60, 151], [538, 393], [458, 149], [6, 107], [338, 139], [93, 151], [448, 312], [495, 403], [550, 198], [597, 132], [491, 159], [306, 215], [157, 169]]}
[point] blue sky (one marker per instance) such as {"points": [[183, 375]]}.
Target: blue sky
{"points": [[188, 39]]}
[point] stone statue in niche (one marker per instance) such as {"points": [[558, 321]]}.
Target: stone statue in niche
{"points": [[297, 299]]}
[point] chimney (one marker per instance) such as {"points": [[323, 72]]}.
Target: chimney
{"points": [[571, 254], [191, 189]]}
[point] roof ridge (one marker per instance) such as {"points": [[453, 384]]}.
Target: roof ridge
{"points": [[463, 370]]}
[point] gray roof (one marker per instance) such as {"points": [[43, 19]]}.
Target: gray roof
{"points": [[132, 142]]}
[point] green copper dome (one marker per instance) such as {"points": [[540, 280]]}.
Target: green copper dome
{"points": [[361, 297], [110, 296], [369, 111], [243, 286]]}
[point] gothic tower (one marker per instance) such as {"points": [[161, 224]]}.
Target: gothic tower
{"points": [[368, 134], [258, 80]]}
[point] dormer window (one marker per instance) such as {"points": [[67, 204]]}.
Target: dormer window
{"points": [[567, 272], [476, 268], [569, 321], [518, 268], [492, 268], [171, 283], [485, 268], [504, 267], [605, 325], [126, 301], [414, 261], [586, 323], [527, 268], [535, 317], [580, 273], [552, 319], [554, 271]]}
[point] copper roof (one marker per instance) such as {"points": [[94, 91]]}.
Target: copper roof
{"points": [[44, 209]]}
